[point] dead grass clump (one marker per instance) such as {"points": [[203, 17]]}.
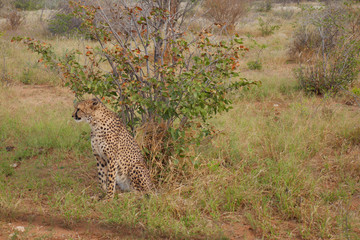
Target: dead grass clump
{"points": [[226, 12], [161, 151], [151, 137], [14, 19]]}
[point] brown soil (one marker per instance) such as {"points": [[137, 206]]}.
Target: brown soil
{"points": [[238, 231], [31, 226]]}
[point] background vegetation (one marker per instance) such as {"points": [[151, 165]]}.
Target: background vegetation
{"points": [[282, 164]]}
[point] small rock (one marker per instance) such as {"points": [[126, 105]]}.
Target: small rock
{"points": [[20, 229], [276, 105], [14, 165]]}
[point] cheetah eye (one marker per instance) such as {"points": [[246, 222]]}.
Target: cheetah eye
{"points": [[95, 101]]}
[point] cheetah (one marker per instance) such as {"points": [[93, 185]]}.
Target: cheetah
{"points": [[119, 159]]}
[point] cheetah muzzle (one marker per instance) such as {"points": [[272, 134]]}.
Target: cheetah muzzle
{"points": [[119, 158]]}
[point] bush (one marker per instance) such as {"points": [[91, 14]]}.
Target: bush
{"points": [[28, 4], [266, 27], [64, 24], [264, 6], [317, 29], [329, 48], [164, 84], [333, 71], [226, 12], [14, 19], [254, 65]]}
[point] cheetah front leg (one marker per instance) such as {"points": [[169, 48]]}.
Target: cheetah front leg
{"points": [[111, 179], [102, 171]]}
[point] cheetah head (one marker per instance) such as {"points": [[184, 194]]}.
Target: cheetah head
{"points": [[85, 109]]}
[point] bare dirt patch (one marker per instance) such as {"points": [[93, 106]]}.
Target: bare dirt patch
{"points": [[238, 229], [21, 225]]}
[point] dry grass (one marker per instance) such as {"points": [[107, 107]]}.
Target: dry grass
{"points": [[21, 65]]}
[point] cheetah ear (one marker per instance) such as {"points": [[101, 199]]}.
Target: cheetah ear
{"points": [[95, 103]]}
